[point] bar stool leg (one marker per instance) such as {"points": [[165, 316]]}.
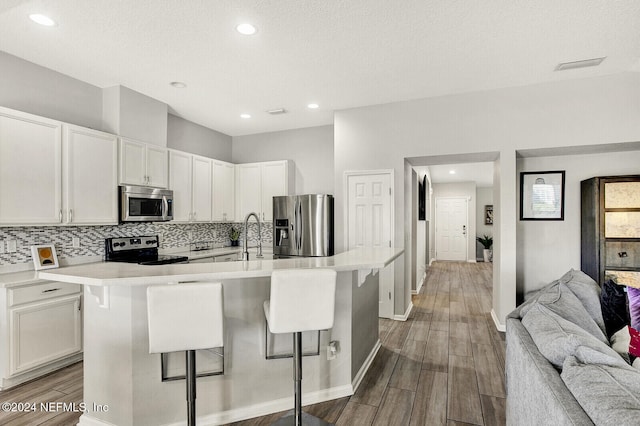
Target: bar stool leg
{"points": [[191, 387], [297, 375]]}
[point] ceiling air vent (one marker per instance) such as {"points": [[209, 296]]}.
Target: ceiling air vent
{"points": [[277, 111], [580, 64]]}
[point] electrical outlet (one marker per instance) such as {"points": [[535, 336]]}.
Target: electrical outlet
{"points": [[11, 246], [332, 350], [75, 242]]}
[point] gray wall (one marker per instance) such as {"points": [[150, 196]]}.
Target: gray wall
{"points": [[548, 249], [578, 112], [31, 88], [484, 196], [311, 150], [187, 136]]}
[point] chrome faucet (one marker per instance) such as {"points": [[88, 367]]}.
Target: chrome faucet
{"points": [[245, 244]]}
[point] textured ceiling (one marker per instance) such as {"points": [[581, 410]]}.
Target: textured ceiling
{"points": [[338, 53]]}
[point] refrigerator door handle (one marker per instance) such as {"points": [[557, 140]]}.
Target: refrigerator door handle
{"points": [[299, 225]]}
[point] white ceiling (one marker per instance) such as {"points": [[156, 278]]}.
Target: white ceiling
{"points": [[480, 173], [339, 54]]}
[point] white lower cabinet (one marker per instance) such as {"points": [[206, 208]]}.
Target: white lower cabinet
{"points": [[42, 331]]}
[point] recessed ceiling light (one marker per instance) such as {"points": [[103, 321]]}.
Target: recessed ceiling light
{"points": [[246, 29], [178, 84], [313, 106], [452, 172], [245, 115], [42, 19], [580, 64]]}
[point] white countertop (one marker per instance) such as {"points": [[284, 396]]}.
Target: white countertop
{"points": [[117, 273]]}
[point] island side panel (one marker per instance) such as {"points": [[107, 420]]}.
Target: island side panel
{"points": [[364, 322], [108, 362]]}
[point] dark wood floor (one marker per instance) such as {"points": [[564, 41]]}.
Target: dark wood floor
{"points": [[443, 366]]}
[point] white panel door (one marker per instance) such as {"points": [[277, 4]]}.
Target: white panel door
{"points": [[180, 183], [30, 169], [201, 189], [369, 225], [451, 228], [90, 180], [132, 162]]}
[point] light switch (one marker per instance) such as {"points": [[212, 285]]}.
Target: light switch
{"points": [[11, 246]]}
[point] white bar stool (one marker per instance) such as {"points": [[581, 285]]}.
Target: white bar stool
{"points": [[186, 317], [301, 300]]}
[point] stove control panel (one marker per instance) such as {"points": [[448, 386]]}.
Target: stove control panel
{"points": [[133, 243]]}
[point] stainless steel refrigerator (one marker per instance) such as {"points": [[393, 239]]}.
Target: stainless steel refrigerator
{"points": [[303, 225]]}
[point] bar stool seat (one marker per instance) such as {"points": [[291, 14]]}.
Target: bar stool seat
{"points": [[300, 300], [186, 317]]}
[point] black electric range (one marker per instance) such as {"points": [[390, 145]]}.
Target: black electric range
{"points": [[141, 250]]}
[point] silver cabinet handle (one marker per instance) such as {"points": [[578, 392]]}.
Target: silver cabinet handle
{"points": [[70, 215], [50, 290], [60, 215]]}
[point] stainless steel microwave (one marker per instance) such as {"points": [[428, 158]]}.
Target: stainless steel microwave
{"points": [[145, 204]]}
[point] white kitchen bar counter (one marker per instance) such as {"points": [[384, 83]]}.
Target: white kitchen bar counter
{"points": [[120, 374]]}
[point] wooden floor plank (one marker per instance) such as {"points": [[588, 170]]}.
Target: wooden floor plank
{"points": [[494, 410], [489, 374], [459, 339], [395, 409], [463, 402], [430, 405], [407, 371], [397, 335], [355, 414], [436, 355], [372, 388]]}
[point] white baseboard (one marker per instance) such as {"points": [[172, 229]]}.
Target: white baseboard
{"points": [[417, 290], [496, 321], [86, 420], [406, 314], [365, 366], [38, 372], [431, 261], [472, 261]]}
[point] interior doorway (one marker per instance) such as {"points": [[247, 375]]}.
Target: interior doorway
{"points": [[370, 223]]}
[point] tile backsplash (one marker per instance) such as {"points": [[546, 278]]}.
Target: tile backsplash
{"points": [[92, 237]]}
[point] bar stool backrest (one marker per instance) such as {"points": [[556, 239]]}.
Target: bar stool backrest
{"points": [[185, 317]]}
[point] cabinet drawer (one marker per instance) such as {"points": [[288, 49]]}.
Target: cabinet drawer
{"points": [[622, 254], [43, 291]]}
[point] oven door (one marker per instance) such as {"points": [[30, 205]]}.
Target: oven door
{"points": [[143, 204]]}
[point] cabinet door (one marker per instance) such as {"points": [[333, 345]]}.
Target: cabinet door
{"points": [[132, 162], [274, 183], [90, 181], [44, 332], [201, 189], [223, 191], [157, 166], [180, 183], [30, 169], [248, 190]]}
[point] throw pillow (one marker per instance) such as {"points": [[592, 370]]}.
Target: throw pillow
{"points": [[620, 342], [634, 306], [634, 342], [587, 291], [609, 395], [614, 307]]}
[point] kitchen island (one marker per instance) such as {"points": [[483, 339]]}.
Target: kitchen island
{"points": [[122, 381]]}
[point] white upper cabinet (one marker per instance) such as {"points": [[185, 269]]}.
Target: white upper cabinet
{"points": [[143, 164], [223, 191], [190, 178], [258, 183], [30, 169], [202, 184], [90, 176]]}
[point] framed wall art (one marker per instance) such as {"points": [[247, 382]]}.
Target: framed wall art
{"points": [[488, 215], [542, 195], [44, 256]]}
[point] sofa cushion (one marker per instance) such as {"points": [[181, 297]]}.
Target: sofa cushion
{"points": [[634, 306], [609, 395], [558, 338], [615, 310], [587, 291]]}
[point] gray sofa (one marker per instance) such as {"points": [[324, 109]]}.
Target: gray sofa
{"points": [[560, 369]]}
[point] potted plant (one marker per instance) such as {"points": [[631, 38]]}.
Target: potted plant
{"points": [[234, 235], [487, 242]]}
